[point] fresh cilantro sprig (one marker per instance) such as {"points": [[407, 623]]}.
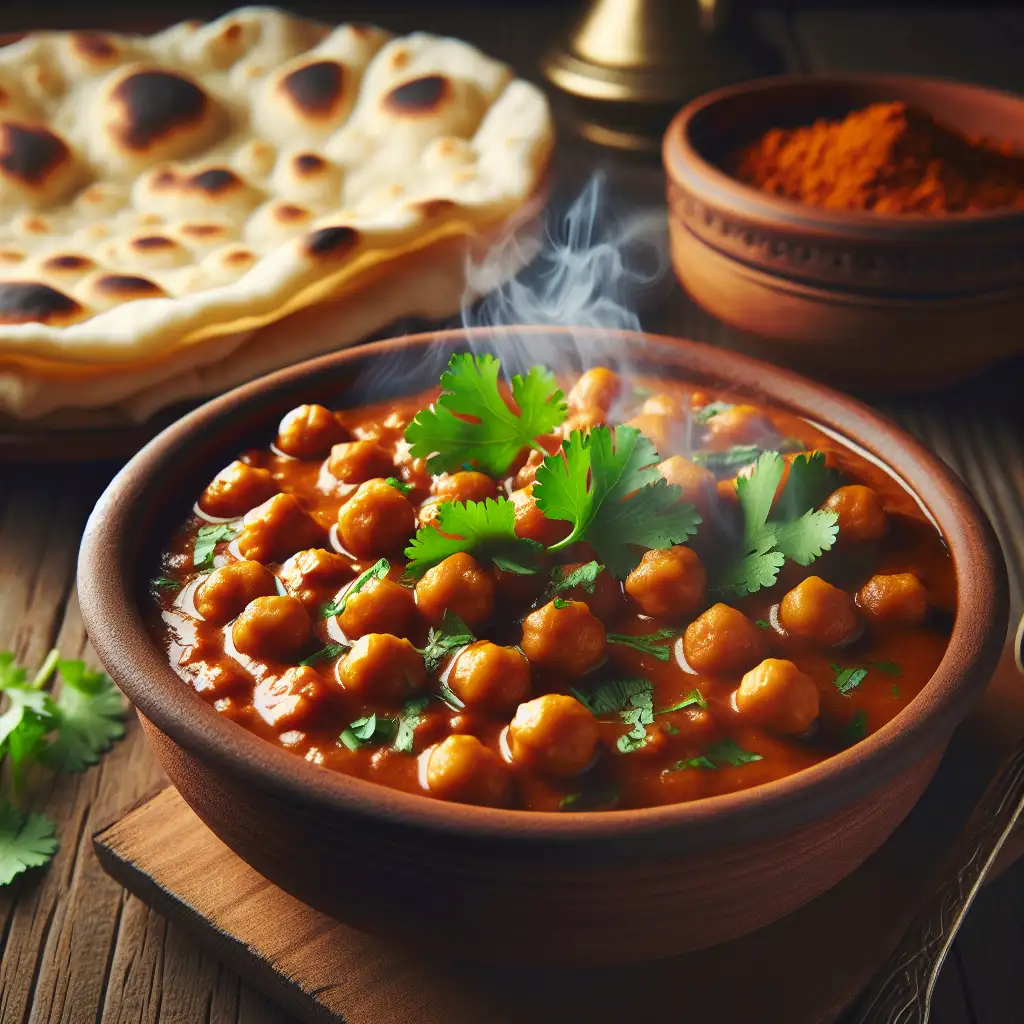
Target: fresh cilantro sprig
{"points": [[377, 571], [66, 731], [380, 730], [798, 531], [726, 753], [647, 643], [848, 678], [484, 529], [606, 485], [207, 539], [471, 423], [452, 635]]}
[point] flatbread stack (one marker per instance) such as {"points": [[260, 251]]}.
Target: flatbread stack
{"points": [[184, 211]]}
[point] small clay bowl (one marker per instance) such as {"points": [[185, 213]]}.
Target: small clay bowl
{"points": [[866, 301], [518, 886]]}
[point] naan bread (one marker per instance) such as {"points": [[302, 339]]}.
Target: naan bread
{"points": [[183, 211]]}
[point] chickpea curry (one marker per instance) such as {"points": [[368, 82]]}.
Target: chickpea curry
{"points": [[501, 594]]}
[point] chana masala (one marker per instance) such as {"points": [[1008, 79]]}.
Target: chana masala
{"points": [[496, 593]]}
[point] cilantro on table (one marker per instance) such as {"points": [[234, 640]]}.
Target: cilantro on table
{"points": [[857, 727], [452, 635], [471, 423], [726, 753], [326, 653], [207, 539], [484, 529], [648, 643], [377, 571], [606, 484], [797, 532], [585, 576], [399, 485], [631, 699], [66, 731]]}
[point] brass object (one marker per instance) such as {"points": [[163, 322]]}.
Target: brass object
{"points": [[628, 65]]}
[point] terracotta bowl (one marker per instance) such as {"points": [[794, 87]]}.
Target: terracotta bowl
{"points": [[517, 886], [867, 301]]}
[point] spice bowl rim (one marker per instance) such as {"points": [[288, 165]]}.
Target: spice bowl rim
{"points": [[111, 589]]}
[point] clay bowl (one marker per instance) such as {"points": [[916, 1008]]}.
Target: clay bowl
{"points": [[866, 301], [515, 886]]}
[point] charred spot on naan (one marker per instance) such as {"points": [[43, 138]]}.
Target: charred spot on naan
{"points": [[418, 96], [331, 243], [315, 90], [68, 267], [36, 162], [94, 49], [308, 165], [23, 302]]}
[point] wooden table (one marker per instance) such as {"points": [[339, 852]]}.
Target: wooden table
{"points": [[74, 946]]}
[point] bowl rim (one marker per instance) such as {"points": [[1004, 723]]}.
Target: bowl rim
{"points": [[686, 165], [111, 613]]}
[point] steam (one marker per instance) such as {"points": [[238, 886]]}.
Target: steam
{"points": [[588, 270]]}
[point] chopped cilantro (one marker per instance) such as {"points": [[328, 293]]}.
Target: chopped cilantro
{"points": [[762, 624], [631, 699], [164, 583], [895, 690], [560, 603], [471, 423], [326, 653], [857, 727], [649, 643], [411, 716], [847, 679], [737, 456], [377, 571], [668, 727], [726, 753], [26, 841], [693, 699], [691, 762], [452, 635], [766, 544], [207, 539], [399, 485], [585, 576], [374, 729], [606, 485], [485, 529], [705, 412], [889, 668]]}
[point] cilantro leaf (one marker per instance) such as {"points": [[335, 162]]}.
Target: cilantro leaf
{"points": [[377, 571], [705, 412], [585, 576], [26, 841], [164, 583], [726, 753], [762, 624], [847, 679], [606, 485], [207, 539], [631, 699], [560, 603], [470, 421], [691, 762], [326, 653], [693, 699], [485, 529], [857, 727], [807, 538], [895, 690], [736, 457], [411, 716], [24, 702], [452, 635], [400, 486], [11, 673], [809, 483], [648, 643], [88, 717], [373, 729]]}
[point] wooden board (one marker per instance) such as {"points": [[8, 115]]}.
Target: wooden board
{"points": [[802, 970]]}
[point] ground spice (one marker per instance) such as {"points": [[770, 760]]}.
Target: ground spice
{"points": [[888, 158]]}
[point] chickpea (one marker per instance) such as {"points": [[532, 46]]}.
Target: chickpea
{"points": [[665, 405], [458, 584], [819, 612], [236, 489], [309, 432], [376, 520], [861, 513], [290, 699], [462, 769], [668, 583], [307, 572], [658, 429], [606, 600], [532, 523], [272, 628], [382, 667], [722, 641], [278, 528], [490, 677], [740, 424], [379, 606], [899, 599], [598, 388], [219, 678], [697, 483], [568, 640], [554, 734], [778, 696], [465, 486], [227, 590], [352, 462]]}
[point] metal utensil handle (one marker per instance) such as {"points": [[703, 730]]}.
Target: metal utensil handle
{"points": [[901, 992]]}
